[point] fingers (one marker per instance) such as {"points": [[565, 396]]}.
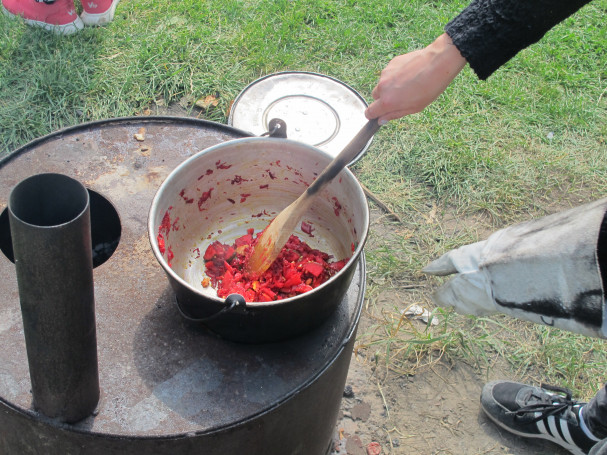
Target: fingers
{"points": [[375, 92], [374, 110], [384, 113]]}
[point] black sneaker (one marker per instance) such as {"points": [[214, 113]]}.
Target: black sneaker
{"points": [[535, 412]]}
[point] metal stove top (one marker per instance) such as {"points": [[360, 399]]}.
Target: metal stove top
{"points": [[159, 376]]}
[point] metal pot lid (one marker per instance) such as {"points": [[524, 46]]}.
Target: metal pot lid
{"points": [[318, 110]]}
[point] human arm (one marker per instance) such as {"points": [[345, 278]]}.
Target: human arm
{"points": [[412, 81], [486, 34]]}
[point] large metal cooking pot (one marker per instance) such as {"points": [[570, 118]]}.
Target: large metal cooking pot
{"points": [[228, 188]]}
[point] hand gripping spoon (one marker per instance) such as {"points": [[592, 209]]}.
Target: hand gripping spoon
{"points": [[275, 236]]}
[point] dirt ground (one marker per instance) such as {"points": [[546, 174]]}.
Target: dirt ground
{"points": [[431, 413], [436, 411]]}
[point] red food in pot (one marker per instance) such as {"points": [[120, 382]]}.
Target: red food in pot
{"points": [[298, 269]]}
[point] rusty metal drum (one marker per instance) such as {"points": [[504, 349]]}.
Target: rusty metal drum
{"points": [[166, 386]]}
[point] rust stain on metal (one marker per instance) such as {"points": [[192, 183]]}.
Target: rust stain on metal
{"points": [[122, 180], [143, 253]]}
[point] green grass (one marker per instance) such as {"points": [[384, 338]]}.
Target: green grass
{"points": [[528, 141]]}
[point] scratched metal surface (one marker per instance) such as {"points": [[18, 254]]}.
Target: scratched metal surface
{"points": [[158, 375]]}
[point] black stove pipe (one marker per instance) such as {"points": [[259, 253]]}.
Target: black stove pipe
{"points": [[50, 226]]}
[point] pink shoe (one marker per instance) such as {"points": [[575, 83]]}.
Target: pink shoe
{"points": [[59, 16], [98, 12]]}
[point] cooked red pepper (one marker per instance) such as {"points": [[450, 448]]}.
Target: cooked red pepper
{"points": [[298, 269], [314, 268], [170, 256], [220, 165], [160, 240], [205, 197], [307, 228], [165, 226]]}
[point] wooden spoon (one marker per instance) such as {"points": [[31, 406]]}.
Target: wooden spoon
{"points": [[275, 236]]}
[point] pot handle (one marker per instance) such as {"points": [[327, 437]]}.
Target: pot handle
{"points": [[232, 301], [276, 128]]}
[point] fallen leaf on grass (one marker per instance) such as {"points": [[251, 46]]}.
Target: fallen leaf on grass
{"points": [[431, 217], [207, 102], [230, 108]]}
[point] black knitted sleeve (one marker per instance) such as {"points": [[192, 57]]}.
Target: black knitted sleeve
{"points": [[488, 33]]}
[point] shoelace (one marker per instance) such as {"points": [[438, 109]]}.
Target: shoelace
{"points": [[550, 405]]}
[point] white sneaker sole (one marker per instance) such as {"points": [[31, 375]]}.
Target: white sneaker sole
{"points": [[66, 29], [92, 19]]}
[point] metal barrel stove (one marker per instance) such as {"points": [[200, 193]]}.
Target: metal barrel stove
{"points": [[166, 386]]}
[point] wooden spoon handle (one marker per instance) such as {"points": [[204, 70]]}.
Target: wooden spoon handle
{"points": [[346, 156]]}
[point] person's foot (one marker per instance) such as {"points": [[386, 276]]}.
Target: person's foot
{"points": [[535, 412], [98, 12], [58, 16]]}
